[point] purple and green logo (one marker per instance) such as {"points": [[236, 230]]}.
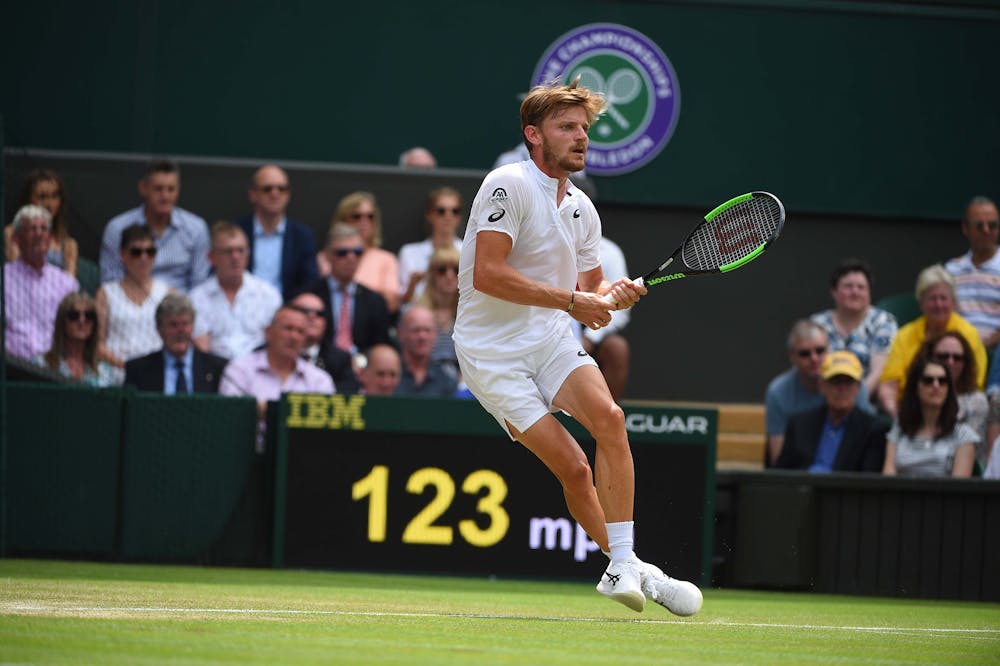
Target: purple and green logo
{"points": [[636, 79]]}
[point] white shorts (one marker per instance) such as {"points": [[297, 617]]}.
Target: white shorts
{"points": [[519, 390]]}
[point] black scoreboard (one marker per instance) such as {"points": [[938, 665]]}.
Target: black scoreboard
{"points": [[434, 485]]}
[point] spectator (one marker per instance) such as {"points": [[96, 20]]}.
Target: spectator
{"points": [[837, 436], [356, 316], [936, 296], [318, 349], [277, 368], [440, 296], [378, 270], [607, 345], [73, 353], [282, 250], [797, 389], [977, 272], [235, 305], [421, 376], [952, 351], [33, 288], [44, 188], [181, 237], [927, 439], [126, 308], [417, 158], [179, 367], [854, 324], [443, 215], [381, 371]]}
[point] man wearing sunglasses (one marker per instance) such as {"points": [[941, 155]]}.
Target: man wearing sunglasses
{"points": [[797, 389], [977, 272], [356, 317], [33, 288], [282, 250], [181, 236]]}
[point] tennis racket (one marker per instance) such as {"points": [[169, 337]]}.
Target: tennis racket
{"points": [[732, 235]]}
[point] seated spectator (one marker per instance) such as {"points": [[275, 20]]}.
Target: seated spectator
{"points": [[797, 389], [443, 215], [44, 188], [992, 470], [854, 323], [181, 237], [179, 368], [318, 348], [927, 440], [952, 351], [381, 370], [282, 250], [126, 308], [378, 269], [277, 368], [421, 376], [235, 305], [977, 272], [936, 296], [440, 296], [33, 288], [838, 436], [73, 353], [417, 158], [608, 345], [356, 316]]}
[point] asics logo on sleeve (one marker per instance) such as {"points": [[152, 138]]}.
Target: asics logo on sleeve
{"points": [[497, 215], [576, 213]]}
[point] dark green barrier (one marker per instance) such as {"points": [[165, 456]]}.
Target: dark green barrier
{"points": [[434, 485], [116, 474], [63, 451]]}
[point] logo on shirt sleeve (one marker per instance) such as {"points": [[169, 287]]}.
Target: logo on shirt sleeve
{"points": [[496, 215], [499, 195]]}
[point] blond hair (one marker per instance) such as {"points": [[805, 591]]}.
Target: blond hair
{"points": [[544, 100]]}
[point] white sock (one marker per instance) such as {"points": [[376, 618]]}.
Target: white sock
{"points": [[620, 540]]}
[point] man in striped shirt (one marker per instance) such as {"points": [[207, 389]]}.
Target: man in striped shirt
{"points": [[977, 272]]}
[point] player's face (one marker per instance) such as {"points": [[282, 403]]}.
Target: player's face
{"points": [[852, 292], [564, 140]]}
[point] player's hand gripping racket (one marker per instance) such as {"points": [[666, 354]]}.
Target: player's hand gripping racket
{"points": [[732, 235]]}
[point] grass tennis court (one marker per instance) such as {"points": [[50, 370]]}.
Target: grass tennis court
{"points": [[85, 613]]}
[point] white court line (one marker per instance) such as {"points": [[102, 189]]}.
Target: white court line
{"points": [[481, 616]]}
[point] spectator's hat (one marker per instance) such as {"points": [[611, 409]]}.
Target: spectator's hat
{"points": [[841, 363]]}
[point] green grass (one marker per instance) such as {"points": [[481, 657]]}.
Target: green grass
{"points": [[84, 613]]}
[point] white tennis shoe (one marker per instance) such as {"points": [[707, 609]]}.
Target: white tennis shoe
{"points": [[622, 582], [677, 596]]}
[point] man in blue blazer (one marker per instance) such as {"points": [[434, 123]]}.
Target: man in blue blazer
{"points": [[838, 436], [282, 251], [179, 368]]}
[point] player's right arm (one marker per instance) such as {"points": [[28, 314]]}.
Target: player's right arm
{"points": [[494, 276]]}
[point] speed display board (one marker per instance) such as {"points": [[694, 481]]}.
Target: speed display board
{"points": [[426, 485]]}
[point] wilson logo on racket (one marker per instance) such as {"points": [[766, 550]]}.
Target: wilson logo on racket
{"points": [[735, 235], [664, 278]]}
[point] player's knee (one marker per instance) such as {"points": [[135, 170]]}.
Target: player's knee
{"points": [[578, 477], [610, 421]]}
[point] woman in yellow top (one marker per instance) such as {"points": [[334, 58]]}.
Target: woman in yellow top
{"points": [[936, 297]]}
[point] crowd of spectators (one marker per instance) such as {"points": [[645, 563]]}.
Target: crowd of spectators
{"points": [[257, 307]]}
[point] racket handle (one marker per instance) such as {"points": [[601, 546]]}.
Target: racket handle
{"points": [[608, 298]]}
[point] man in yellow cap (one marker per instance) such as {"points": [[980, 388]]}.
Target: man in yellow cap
{"points": [[837, 436]]}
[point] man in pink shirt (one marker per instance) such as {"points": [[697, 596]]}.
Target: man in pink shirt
{"points": [[32, 287]]}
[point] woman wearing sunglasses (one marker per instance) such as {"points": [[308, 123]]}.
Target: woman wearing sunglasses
{"points": [[74, 342], [927, 438], [440, 296], [126, 308], [954, 352], [443, 215]]}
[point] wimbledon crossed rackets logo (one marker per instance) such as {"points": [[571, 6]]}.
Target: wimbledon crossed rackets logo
{"points": [[638, 83]]}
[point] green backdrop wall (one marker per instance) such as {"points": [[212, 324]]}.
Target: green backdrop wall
{"points": [[878, 108]]}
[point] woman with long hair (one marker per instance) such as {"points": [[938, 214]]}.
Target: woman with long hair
{"points": [[73, 353], [440, 296], [927, 438], [378, 269], [443, 215], [954, 352], [44, 187]]}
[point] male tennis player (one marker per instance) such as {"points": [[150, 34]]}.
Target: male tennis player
{"points": [[529, 263]]}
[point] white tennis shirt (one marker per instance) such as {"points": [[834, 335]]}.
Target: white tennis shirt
{"points": [[551, 244]]}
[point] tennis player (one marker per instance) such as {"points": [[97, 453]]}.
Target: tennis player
{"points": [[530, 263]]}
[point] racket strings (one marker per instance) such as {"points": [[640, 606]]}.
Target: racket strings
{"points": [[732, 234]]}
